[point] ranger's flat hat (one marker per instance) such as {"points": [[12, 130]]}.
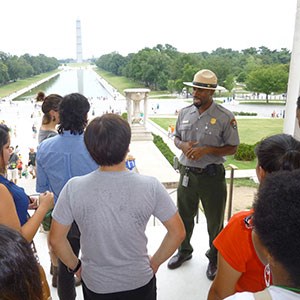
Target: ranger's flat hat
{"points": [[204, 79]]}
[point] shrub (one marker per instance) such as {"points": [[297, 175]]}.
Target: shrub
{"points": [[124, 115], [241, 113], [164, 148], [245, 152]]}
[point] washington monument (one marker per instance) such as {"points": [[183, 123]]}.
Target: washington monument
{"points": [[78, 42]]}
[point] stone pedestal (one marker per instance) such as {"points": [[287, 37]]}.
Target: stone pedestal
{"points": [[135, 117]]}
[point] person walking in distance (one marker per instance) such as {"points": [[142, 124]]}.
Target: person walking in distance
{"points": [[60, 158], [32, 162], [12, 170], [205, 132]]}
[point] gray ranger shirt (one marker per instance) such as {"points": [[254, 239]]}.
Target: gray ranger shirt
{"points": [[215, 127]]}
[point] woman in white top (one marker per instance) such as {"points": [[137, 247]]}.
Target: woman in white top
{"points": [[276, 236]]}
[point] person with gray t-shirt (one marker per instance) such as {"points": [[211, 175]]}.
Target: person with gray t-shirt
{"points": [[112, 207]]}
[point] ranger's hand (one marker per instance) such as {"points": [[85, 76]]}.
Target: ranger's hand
{"points": [[196, 153]]}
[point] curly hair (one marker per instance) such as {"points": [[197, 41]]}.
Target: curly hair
{"points": [[278, 152], [19, 273], [51, 102], [277, 219], [73, 111], [107, 139]]}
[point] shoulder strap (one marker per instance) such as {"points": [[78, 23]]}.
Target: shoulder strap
{"points": [[263, 295]]}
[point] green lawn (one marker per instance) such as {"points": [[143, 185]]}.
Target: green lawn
{"points": [[22, 83], [251, 131], [118, 82], [121, 83]]}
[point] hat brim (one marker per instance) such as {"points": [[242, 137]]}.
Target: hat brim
{"points": [[199, 87]]}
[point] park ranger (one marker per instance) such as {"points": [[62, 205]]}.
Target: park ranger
{"points": [[205, 132]]}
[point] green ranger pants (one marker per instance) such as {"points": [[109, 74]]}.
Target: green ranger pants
{"points": [[210, 188]]}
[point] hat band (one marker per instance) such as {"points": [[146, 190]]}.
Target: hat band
{"points": [[208, 85]]}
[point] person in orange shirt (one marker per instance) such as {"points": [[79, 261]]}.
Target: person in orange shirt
{"points": [[239, 268]]}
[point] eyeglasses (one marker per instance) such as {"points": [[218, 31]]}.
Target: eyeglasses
{"points": [[248, 221]]}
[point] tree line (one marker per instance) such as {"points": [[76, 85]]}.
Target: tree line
{"points": [[164, 68], [14, 67]]}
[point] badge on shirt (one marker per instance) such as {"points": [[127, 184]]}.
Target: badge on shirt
{"points": [[233, 123], [213, 121]]}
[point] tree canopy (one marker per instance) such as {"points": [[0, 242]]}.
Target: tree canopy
{"points": [[164, 67], [268, 79], [13, 67]]}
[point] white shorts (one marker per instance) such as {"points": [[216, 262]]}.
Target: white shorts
{"points": [[12, 174]]}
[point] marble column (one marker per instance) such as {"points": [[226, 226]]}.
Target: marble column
{"points": [[290, 122]]}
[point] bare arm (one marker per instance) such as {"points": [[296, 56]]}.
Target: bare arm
{"points": [[9, 216], [60, 244], [225, 281], [174, 236]]}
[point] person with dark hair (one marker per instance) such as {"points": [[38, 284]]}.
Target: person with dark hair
{"points": [[50, 109], [276, 237], [298, 111], [14, 201], [19, 273], [12, 170], [112, 219], [205, 132], [239, 268], [40, 96], [61, 158], [32, 162]]}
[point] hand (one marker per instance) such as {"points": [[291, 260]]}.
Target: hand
{"points": [[46, 200], [153, 265], [33, 202], [78, 273], [196, 153], [186, 146]]}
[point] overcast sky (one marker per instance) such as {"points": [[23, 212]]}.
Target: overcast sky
{"points": [[127, 26]]}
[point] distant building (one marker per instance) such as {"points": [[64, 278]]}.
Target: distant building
{"points": [[78, 42]]}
